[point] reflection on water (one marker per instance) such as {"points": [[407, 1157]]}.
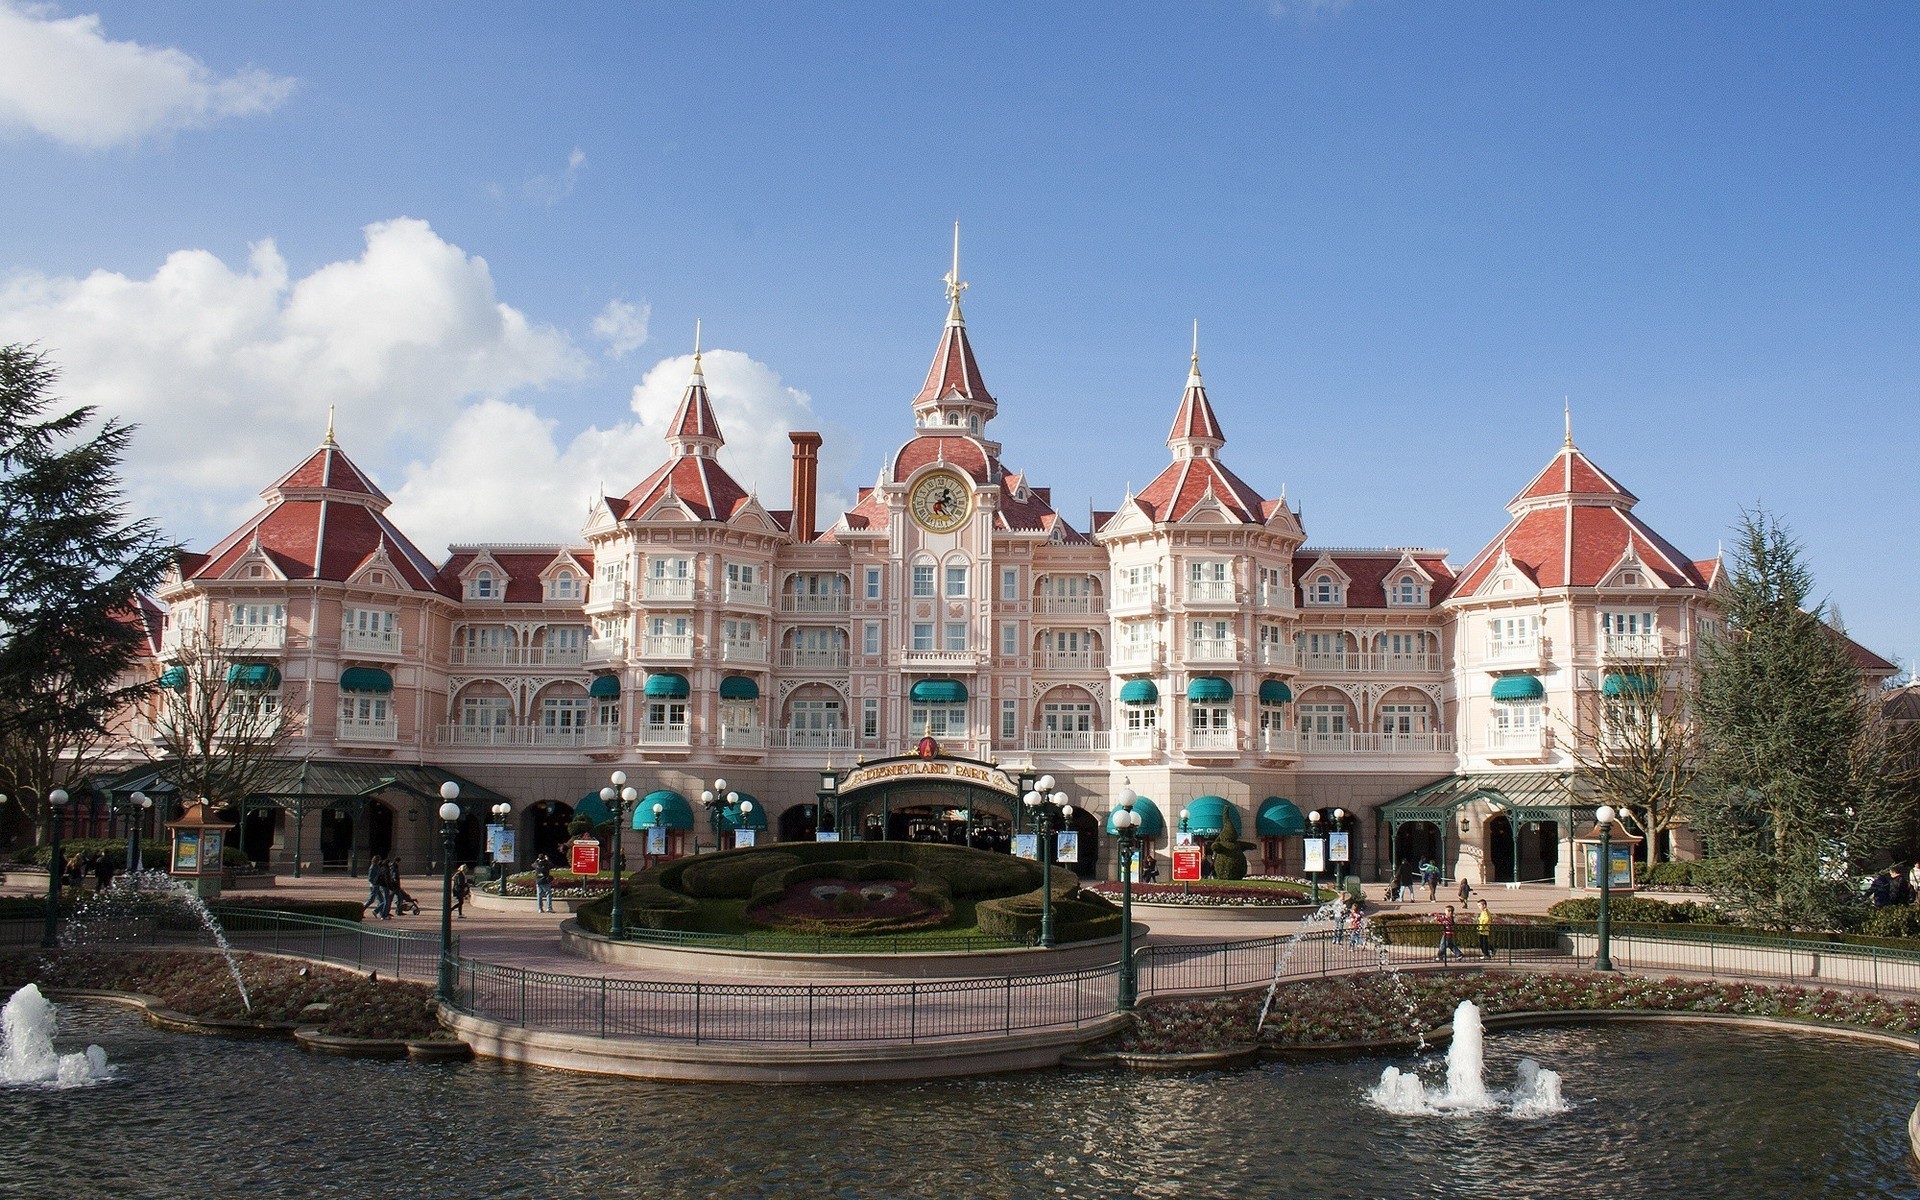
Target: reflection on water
{"points": [[1662, 1111]]}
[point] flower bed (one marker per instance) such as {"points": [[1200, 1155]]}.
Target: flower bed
{"points": [[1209, 895], [1373, 1008], [281, 989]]}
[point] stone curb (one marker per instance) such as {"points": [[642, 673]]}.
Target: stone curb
{"points": [[308, 1037]]}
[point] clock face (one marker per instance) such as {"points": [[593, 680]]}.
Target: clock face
{"points": [[941, 502]]}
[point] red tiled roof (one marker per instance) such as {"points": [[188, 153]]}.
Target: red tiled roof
{"points": [[1537, 540], [1186, 482], [699, 482], [522, 571], [1195, 417], [320, 539], [957, 449], [869, 511], [330, 469], [1367, 575], [1571, 473], [954, 369], [694, 419], [1867, 660]]}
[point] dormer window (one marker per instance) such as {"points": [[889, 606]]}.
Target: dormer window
{"points": [[565, 586], [1629, 579], [955, 419], [483, 587], [1407, 590], [1324, 590]]}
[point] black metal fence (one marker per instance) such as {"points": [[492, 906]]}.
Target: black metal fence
{"points": [[395, 952]]}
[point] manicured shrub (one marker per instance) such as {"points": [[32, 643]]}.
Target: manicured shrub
{"points": [[1078, 916], [233, 909], [1634, 910], [731, 876], [1691, 873], [646, 906], [1229, 856], [153, 852], [1894, 921]]}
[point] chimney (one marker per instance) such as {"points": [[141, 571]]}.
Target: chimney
{"points": [[806, 472]]}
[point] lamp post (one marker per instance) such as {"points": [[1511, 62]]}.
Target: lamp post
{"points": [[1313, 827], [1044, 802], [718, 801], [501, 812], [449, 825], [829, 792], [1126, 823], [1339, 876], [133, 809], [56, 866], [617, 798], [1603, 952]]}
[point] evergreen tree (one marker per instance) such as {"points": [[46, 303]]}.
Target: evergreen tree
{"points": [[1799, 783], [73, 569]]}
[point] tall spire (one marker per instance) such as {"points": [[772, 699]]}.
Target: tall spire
{"points": [[1196, 431], [1567, 412], [954, 397], [954, 283], [696, 346], [1193, 375], [329, 440], [694, 430]]}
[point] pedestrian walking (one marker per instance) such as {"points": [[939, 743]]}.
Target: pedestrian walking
{"points": [[403, 902], [1403, 883], [543, 883], [462, 888], [1483, 925], [376, 883], [1430, 875], [1447, 943], [103, 872], [1466, 889]]}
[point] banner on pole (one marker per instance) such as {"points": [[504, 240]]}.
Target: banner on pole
{"points": [[1186, 864], [1316, 855], [1066, 846], [743, 838], [1338, 847], [1027, 846], [656, 839]]}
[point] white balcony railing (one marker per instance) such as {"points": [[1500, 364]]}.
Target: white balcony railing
{"points": [[1213, 650], [253, 637], [753, 595], [1273, 597], [609, 591], [1137, 655], [1634, 645], [1069, 606], [667, 645], [743, 652], [1277, 654], [1071, 660], [1057, 740], [1212, 739], [742, 737], [1209, 591], [667, 590], [1519, 650], [837, 738], [1327, 660], [352, 729], [805, 658], [942, 660], [601, 649], [554, 656], [833, 602], [1376, 743], [481, 656], [1136, 741], [1516, 741], [1388, 662], [1279, 741], [552, 737], [664, 735], [356, 641], [1143, 595]]}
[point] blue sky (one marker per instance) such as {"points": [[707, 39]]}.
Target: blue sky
{"points": [[1408, 230]]}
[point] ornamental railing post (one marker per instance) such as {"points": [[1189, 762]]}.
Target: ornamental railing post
{"points": [[603, 1006], [696, 1012]]}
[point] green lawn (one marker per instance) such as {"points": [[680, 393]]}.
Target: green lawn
{"points": [[729, 917]]}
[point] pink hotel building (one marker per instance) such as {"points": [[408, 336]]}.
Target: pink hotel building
{"points": [[1192, 645]]}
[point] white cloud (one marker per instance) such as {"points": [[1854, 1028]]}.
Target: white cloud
{"points": [[622, 326], [550, 190], [230, 372], [62, 78], [500, 475]]}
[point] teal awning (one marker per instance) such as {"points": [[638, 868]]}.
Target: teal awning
{"points": [[366, 679], [938, 691], [1209, 813], [1629, 683], [253, 675], [604, 687], [1210, 688], [739, 687], [667, 686], [1275, 691], [174, 679], [1152, 824], [674, 811], [593, 808], [1280, 818], [733, 818], [1139, 691], [1518, 689]]}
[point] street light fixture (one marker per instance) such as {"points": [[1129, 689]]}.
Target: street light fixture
{"points": [[1044, 803], [1603, 955], [449, 826], [1313, 826], [1126, 823], [501, 812], [617, 797], [134, 808], [56, 867], [718, 802], [1339, 822]]}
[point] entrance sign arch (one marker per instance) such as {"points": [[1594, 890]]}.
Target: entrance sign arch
{"points": [[869, 795]]}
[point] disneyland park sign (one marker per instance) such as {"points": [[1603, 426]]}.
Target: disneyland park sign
{"points": [[942, 770]]}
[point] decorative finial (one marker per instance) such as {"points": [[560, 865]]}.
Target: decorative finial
{"points": [[1196, 346], [329, 441], [952, 280], [696, 345], [1567, 412]]}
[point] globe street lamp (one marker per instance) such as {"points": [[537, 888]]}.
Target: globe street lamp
{"points": [[56, 867], [617, 797], [500, 813], [1603, 955], [1313, 826], [133, 809], [1044, 802], [718, 801], [449, 826], [1126, 823], [1339, 820]]}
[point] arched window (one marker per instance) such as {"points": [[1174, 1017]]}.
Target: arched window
{"points": [[1324, 590], [483, 585], [1407, 590], [955, 419], [924, 582]]}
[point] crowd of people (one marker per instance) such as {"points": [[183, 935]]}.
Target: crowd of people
{"points": [[385, 896], [1898, 884], [98, 865]]}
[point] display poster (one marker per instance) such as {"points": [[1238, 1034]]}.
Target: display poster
{"points": [[1183, 838], [504, 848], [1066, 846], [1339, 847], [186, 850], [1316, 855], [656, 839], [827, 835], [1622, 866], [493, 838], [584, 857], [1186, 864], [1027, 846], [210, 843], [743, 838]]}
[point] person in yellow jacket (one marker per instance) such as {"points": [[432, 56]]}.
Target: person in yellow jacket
{"points": [[1483, 925]]}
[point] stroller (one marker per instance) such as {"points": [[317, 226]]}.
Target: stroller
{"points": [[403, 903]]}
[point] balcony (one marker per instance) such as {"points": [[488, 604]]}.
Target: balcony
{"points": [[1519, 652], [1278, 741], [1328, 662], [606, 649], [805, 658], [1388, 662], [1630, 647], [667, 591], [1274, 597], [1138, 657], [351, 729], [249, 728], [743, 652], [253, 638], [1054, 741], [937, 660], [1069, 606], [1517, 743], [752, 595], [1204, 740], [666, 645], [665, 735], [553, 656], [1376, 743], [795, 738], [481, 656], [1139, 596], [355, 641], [609, 592], [550, 737], [742, 738], [1278, 654], [1071, 660], [829, 603], [1209, 591], [1205, 650], [1136, 741]]}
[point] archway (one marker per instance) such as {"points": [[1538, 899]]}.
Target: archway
{"points": [[1087, 865], [469, 839], [1502, 850], [336, 838], [543, 830], [800, 823], [1416, 842], [953, 814], [259, 832]]}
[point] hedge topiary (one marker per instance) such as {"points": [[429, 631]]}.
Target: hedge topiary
{"points": [[1893, 921], [730, 877], [1632, 910], [645, 905], [1229, 856], [1078, 916]]}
